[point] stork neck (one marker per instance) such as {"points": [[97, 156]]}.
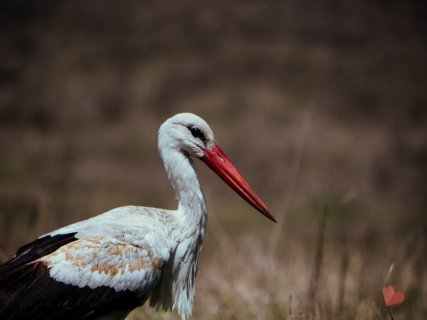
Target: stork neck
{"points": [[184, 180], [189, 233]]}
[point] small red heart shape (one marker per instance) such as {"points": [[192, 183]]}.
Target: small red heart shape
{"points": [[392, 298]]}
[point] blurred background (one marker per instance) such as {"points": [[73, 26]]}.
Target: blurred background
{"points": [[322, 105]]}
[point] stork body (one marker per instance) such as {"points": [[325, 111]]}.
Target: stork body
{"points": [[106, 266]]}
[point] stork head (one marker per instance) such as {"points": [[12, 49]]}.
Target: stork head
{"points": [[192, 136]]}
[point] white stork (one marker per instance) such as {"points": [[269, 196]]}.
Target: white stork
{"points": [[106, 266]]}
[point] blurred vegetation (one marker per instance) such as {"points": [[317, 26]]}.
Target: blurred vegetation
{"points": [[321, 104]]}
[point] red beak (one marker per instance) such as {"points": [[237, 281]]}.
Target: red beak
{"points": [[216, 159]]}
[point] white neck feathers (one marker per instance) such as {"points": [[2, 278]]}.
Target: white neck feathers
{"points": [[189, 230]]}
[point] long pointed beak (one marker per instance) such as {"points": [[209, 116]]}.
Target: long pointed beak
{"points": [[217, 160]]}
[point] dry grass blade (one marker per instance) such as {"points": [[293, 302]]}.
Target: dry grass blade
{"points": [[293, 176]]}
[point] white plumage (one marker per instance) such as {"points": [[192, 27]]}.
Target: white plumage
{"points": [[112, 263]]}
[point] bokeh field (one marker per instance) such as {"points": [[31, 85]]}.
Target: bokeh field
{"points": [[322, 106]]}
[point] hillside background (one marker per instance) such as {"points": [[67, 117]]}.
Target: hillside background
{"points": [[322, 105]]}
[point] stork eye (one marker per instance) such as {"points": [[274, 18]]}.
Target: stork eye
{"points": [[197, 133]]}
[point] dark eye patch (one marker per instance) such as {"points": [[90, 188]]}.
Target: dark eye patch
{"points": [[197, 133]]}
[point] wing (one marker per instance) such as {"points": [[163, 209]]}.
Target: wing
{"points": [[62, 277], [34, 250]]}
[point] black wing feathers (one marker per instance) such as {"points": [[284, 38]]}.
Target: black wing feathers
{"points": [[28, 292], [31, 293], [35, 250]]}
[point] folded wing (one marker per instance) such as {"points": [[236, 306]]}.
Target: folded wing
{"points": [[63, 277]]}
